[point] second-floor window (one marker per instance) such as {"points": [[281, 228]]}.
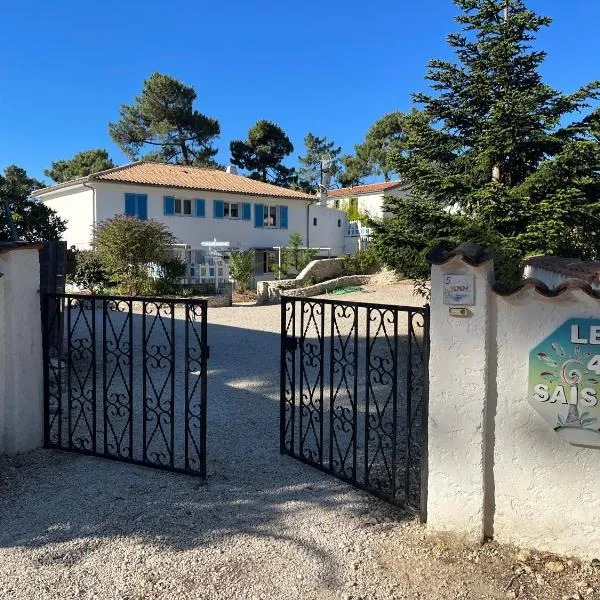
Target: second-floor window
{"points": [[183, 207], [270, 216], [231, 210]]}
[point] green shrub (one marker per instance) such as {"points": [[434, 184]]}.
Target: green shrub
{"points": [[241, 268], [172, 269], [294, 258], [363, 262], [89, 273], [127, 246], [418, 226]]}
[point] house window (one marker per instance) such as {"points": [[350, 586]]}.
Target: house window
{"points": [[183, 207], [231, 210], [336, 203], [315, 221], [339, 222], [270, 216]]}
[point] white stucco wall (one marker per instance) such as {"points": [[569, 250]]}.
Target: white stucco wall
{"points": [[75, 205], [371, 204], [110, 200], [21, 374], [330, 229], [496, 468], [458, 386], [547, 495]]}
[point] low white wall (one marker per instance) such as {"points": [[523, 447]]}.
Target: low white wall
{"points": [[319, 270], [497, 468], [21, 375], [546, 492], [328, 286]]}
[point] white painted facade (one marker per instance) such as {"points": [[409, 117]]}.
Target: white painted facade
{"points": [[84, 205], [371, 204], [496, 467]]}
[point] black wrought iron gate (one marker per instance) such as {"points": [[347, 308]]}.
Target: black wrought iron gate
{"points": [[354, 394], [125, 378]]}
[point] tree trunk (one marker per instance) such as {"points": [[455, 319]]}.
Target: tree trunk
{"points": [[496, 173]]}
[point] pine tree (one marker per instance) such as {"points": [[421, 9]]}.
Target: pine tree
{"points": [[263, 152], [81, 165], [163, 125], [318, 150], [490, 140]]}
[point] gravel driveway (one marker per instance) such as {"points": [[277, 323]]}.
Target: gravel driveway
{"points": [[263, 526]]}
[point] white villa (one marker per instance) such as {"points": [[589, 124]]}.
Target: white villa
{"points": [[203, 208], [369, 199]]}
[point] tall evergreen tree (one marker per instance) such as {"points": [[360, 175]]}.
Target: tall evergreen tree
{"points": [[163, 125], [263, 152], [352, 170], [490, 141], [33, 220], [81, 165], [318, 150]]}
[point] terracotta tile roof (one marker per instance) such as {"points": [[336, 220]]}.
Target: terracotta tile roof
{"points": [[364, 189], [576, 269], [180, 176]]}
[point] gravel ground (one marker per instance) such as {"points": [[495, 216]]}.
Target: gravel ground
{"points": [[262, 527]]}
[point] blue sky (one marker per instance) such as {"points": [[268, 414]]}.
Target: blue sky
{"points": [[324, 66]]}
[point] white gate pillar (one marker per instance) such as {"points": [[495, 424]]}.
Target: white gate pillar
{"points": [[458, 391], [21, 374]]}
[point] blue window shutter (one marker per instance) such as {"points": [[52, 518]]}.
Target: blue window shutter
{"points": [[218, 209], [142, 207], [259, 215], [169, 205], [200, 207], [283, 217], [247, 211], [130, 203]]}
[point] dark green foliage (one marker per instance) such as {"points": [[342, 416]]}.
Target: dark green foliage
{"points": [[162, 125], [81, 165], [310, 173], [128, 246], [363, 262], [33, 220], [373, 157], [89, 272], [263, 152], [241, 268], [352, 171], [419, 226], [490, 141], [294, 258], [172, 269]]}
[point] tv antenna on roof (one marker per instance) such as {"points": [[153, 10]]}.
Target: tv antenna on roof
{"points": [[326, 163]]}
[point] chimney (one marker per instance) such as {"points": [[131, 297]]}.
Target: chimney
{"points": [[231, 170]]}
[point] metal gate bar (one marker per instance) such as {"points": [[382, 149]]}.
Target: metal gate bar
{"points": [[354, 394], [126, 378]]}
